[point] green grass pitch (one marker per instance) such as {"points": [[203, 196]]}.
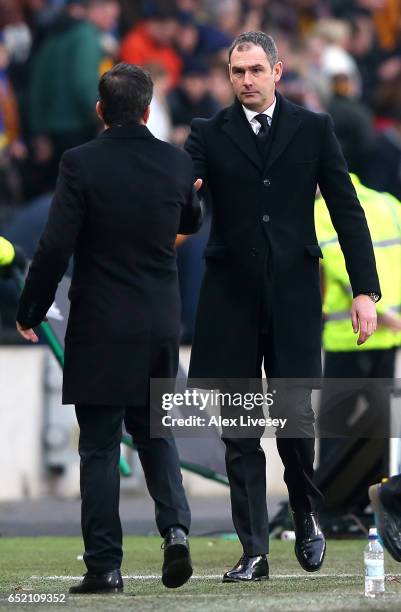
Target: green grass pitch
{"points": [[41, 565]]}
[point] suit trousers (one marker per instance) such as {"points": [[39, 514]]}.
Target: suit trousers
{"points": [[246, 464], [99, 450]]}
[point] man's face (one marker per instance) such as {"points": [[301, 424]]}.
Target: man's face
{"points": [[104, 16], [195, 86], [162, 31], [252, 77]]}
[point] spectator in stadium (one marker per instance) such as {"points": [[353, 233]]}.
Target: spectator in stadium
{"points": [[373, 363], [63, 88], [190, 99], [197, 40], [227, 15], [387, 94], [11, 146], [159, 119], [384, 168], [120, 201], [353, 121], [152, 41], [261, 160], [219, 82], [364, 48], [16, 32]]}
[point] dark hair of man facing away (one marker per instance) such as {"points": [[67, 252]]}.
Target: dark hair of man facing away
{"points": [[260, 39], [125, 93]]}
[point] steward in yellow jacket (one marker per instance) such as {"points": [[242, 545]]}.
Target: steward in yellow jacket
{"points": [[372, 364], [383, 214]]}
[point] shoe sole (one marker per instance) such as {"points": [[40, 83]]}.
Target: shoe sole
{"points": [[310, 569], [378, 508], [178, 569], [97, 592], [232, 580]]}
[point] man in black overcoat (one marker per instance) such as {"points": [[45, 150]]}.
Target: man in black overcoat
{"points": [[119, 203], [261, 161]]}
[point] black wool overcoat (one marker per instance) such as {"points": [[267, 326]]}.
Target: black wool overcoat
{"points": [[120, 201], [263, 218]]}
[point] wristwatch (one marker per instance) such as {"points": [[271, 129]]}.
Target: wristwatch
{"points": [[375, 297]]}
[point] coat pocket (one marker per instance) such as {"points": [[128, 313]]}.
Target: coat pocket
{"points": [[314, 250]]}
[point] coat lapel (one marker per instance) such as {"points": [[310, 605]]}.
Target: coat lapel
{"points": [[286, 121], [238, 129]]}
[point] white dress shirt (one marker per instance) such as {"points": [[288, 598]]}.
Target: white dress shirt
{"points": [[250, 115]]}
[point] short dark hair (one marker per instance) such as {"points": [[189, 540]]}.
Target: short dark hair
{"points": [[125, 93], [261, 39]]}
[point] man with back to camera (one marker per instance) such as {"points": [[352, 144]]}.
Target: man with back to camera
{"points": [[261, 160], [119, 203]]}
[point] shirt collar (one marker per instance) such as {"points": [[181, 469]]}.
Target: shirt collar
{"points": [[250, 114]]}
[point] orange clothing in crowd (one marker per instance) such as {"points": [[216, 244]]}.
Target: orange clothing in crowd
{"points": [[388, 24], [139, 48], [9, 116]]}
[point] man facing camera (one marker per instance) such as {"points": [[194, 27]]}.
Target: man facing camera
{"points": [[120, 201], [261, 160]]}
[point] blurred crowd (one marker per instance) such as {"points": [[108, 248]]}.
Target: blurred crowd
{"points": [[340, 56]]}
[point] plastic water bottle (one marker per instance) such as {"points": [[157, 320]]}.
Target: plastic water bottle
{"points": [[374, 566]]}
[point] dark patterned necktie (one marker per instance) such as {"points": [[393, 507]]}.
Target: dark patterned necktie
{"points": [[263, 133]]}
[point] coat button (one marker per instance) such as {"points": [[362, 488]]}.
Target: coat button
{"points": [[254, 252], [266, 218], [266, 182]]}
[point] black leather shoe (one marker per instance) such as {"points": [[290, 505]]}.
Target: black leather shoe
{"points": [[248, 569], [177, 566], [388, 523], [110, 582], [310, 545]]}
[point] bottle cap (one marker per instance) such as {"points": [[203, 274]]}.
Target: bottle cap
{"points": [[373, 533]]}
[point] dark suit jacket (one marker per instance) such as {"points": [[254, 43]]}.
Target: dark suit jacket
{"points": [[263, 217], [120, 201]]}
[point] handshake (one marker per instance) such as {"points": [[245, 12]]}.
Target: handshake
{"points": [[12, 259]]}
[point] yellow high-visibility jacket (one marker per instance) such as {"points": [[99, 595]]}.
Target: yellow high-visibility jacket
{"points": [[383, 214]]}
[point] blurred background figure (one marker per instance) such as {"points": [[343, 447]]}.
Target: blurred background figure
{"points": [[219, 82], [63, 86], [353, 121], [355, 403], [11, 147], [192, 98], [152, 40], [384, 169], [196, 40], [159, 119]]}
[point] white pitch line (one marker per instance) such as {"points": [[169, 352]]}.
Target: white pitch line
{"points": [[214, 577]]}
